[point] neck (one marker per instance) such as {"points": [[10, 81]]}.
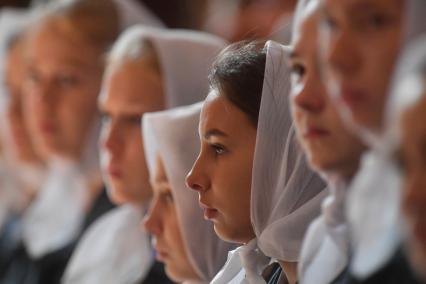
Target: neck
{"points": [[290, 270]]}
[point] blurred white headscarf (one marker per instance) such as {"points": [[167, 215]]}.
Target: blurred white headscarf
{"points": [[114, 250], [184, 56], [107, 243], [286, 195], [173, 135], [373, 208]]}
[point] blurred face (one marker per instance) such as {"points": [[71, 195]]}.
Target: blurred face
{"points": [[329, 146], [131, 90], [161, 221], [361, 42], [223, 170], [62, 86], [413, 149], [20, 143]]}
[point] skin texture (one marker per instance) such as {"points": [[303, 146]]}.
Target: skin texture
{"points": [[330, 147], [61, 90], [20, 142], [222, 172], [413, 164], [162, 222], [131, 90], [360, 43]]}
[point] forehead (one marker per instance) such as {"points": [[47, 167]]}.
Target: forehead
{"points": [[53, 44], [219, 113], [134, 83]]}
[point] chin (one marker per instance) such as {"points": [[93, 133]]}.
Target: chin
{"points": [[116, 196], [229, 235]]}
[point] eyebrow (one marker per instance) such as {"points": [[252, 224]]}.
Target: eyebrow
{"points": [[214, 132]]}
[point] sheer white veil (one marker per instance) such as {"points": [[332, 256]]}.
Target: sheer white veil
{"points": [[173, 135], [286, 194], [195, 51]]}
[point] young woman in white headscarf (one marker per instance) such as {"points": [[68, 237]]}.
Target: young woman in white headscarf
{"points": [[143, 75], [61, 92], [184, 241], [358, 72], [252, 179], [332, 150]]}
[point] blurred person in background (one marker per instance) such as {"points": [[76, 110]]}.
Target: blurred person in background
{"points": [[143, 75]]}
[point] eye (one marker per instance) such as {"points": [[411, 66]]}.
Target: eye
{"points": [[67, 81], [218, 149], [297, 70]]}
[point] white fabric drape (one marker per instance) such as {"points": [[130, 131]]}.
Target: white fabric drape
{"points": [[286, 195], [115, 249]]}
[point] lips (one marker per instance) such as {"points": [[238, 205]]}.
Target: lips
{"points": [[313, 132], [114, 172], [210, 213], [160, 254]]}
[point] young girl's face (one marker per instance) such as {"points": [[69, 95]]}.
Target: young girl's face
{"points": [[222, 173], [131, 90], [361, 40], [64, 76], [330, 147], [162, 222]]}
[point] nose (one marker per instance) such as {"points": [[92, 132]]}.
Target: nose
{"points": [[111, 139], [341, 54], [195, 179], [309, 96], [152, 220]]}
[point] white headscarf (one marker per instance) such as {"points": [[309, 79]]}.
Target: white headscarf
{"points": [[173, 135], [184, 57], [373, 207], [56, 216], [171, 46], [105, 256], [285, 195]]}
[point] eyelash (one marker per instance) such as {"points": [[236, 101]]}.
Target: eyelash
{"points": [[297, 69], [218, 149]]}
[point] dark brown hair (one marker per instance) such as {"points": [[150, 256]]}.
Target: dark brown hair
{"points": [[237, 74]]}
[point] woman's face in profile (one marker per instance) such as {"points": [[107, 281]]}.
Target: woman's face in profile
{"points": [[360, 42], [223, 170], [413, 165], [162, 222], [131, 90], [63, 82]]}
